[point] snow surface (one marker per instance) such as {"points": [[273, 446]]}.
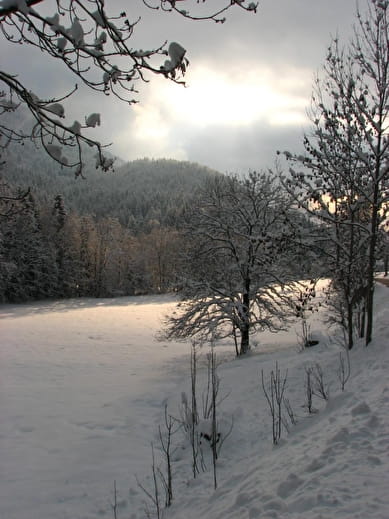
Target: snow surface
{"points": [[83, 388]]}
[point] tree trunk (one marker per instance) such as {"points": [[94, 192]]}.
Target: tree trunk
{"points": [[350, 316], [245, 325], [362, 320], [244, 340], [372, 253], [235, 339]]}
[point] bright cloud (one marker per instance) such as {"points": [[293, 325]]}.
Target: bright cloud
{"points": [[148, 134], [171, 119], [149, 123], [238, 99]]}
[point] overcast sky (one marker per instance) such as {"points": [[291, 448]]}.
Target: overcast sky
{"points": [[249, 83]]}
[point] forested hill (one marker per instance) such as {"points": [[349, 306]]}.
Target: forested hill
{"points": [[142, 192], [113, 233], [137, 193]]}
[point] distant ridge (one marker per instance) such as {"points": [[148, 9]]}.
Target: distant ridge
{"points": [[137, 193]]}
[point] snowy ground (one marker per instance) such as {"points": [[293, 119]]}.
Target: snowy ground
{"points": [[83, 387]]}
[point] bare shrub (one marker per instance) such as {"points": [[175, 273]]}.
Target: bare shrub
{"points": [[165, 439], [320, 387], [114, 505], [290, 412], [274, 393], [153, 494], [309, 391], [344, 368]]}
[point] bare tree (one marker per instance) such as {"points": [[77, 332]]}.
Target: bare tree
{"points": [[215, 434], [342, 178], [96, 47], [303, 307], [192, 416], [238, 269]]}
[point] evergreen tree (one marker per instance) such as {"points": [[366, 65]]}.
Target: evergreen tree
{"points": [[31, 258]]}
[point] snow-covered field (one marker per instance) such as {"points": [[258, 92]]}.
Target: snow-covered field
{"points": [[83, 387]]}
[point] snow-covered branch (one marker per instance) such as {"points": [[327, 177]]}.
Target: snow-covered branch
{"points": [[96, 48]]}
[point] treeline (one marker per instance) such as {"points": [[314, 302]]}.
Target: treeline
{"points": [[104, 235], [48, 252]]}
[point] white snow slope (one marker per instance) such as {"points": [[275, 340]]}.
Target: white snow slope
{"points": [[83, 388]]}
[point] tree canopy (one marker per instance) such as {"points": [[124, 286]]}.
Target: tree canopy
{"points": [[242, 255]]}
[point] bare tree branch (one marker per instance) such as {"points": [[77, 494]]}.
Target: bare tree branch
{"points": [[95, 47]]}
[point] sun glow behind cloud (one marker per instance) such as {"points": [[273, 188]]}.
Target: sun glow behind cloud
{"points": [[238, 99], [170, 115]]}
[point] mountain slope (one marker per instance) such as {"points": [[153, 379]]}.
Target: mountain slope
{"points": [[135, 192]]}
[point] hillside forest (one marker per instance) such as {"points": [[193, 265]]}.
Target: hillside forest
{"points": [[106, 234]]}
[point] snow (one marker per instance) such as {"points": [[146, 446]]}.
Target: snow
{"points": [[92, 120], [176, 53], [76, 32], [83, 387], [75, 128], [57, 109]]}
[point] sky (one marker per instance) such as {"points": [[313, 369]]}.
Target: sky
{"points": [[248, 84]]}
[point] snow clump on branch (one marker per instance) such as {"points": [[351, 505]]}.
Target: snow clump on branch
{"points": [[177, 59]]}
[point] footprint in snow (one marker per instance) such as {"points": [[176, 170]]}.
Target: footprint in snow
{"points": [[315, 465], [360, 409], [286, 488]]}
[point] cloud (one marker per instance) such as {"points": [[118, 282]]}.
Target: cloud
{"points": [[249, 83], [217, 107], [241, 149], [237, 99]]}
